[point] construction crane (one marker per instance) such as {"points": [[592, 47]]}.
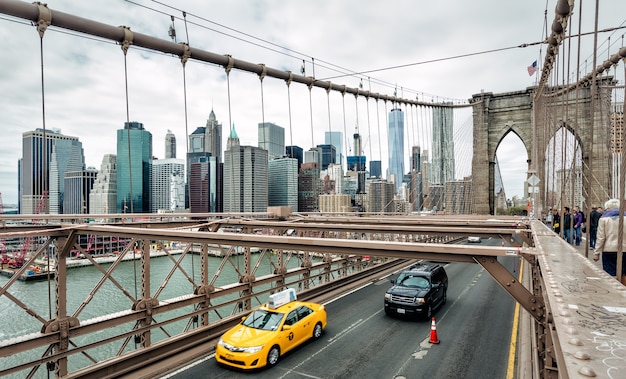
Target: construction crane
{"points": [[19, 259]]}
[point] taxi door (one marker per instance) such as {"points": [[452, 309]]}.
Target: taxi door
{"points": [[297, 331]]}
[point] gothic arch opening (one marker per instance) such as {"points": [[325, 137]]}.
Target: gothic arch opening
{"points": [[564, 170], [510, 173]]}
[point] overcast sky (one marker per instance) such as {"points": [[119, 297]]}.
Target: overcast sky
{"points": [[85, 85]]}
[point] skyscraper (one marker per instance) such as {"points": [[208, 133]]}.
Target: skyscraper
{"points": [[335, 139], [77, 186], [283, 183], [67, 155], [442, 162], [36, 166], [272, 139], [213, 139], [205, 148], [328, 155], [170, 145], [395, 145], [245, 177], [167, 185], [134, 155], [103, 195], [199, 186]]}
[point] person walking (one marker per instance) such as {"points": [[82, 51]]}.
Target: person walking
{"points": [[556, 221], [607, 239], [578, 223], [594, 217], [567, 225]]}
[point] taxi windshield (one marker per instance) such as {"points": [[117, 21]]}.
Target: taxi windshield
{"points": [[264, 320]]}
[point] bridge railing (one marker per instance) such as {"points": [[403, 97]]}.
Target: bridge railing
{"points": [[577, 310]]}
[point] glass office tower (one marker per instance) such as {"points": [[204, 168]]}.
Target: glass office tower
{"points": [[395, 144], [134, 153]]}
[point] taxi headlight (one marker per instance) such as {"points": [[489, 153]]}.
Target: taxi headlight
{"points": [[252, 350], [420, 300]]}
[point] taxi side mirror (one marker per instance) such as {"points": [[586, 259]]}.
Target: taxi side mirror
{"points": [[286, 327]]}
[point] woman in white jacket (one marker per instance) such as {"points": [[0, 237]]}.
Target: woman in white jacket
{"points": [[608, 238]]}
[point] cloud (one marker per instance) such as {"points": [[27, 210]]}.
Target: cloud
{"points": [[85, 85]]}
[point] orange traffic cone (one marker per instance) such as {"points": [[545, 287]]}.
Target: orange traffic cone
{"points": [[433, 332]]}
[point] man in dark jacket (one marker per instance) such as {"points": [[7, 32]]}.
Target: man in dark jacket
{"points": [[594, 216], [567, 225]]}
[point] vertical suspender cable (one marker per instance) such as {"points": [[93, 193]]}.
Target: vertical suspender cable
{"points": [[380, 148], [369, 130], [343, 102], [288, 82], [265, 141], [128, 40], [311, 112], [330, 130], [183, 60], [44, 21], [231, 63], [622, 179]]}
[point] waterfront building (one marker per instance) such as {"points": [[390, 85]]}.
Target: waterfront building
{"points": [[335, 203], [327, 155], [295, 152], [167, 185], [272, 139], [245, 177], [335, 173], [313, 155], [67, 155], [434, 201], [376, 170], [308, 187], [283, 182], [36, 165], [442, 162], [134, 156], [78, 185], [395, 145], [103, 195], [199, 183], [335, 139], [170, 145], [381, 194], [458, 196], [197, 140]]}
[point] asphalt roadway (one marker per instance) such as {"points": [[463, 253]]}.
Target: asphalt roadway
{"points": [[474, 328]]}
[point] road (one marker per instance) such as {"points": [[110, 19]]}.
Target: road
{"points": [[474, 329]]}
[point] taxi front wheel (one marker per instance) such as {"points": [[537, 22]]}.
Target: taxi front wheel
{"points": [[273, 355], [317, 331]]}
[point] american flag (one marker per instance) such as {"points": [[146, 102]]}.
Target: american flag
{"points": [[532, 69]]}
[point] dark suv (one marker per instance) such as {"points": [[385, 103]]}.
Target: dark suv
{"points": [[418, 290]]}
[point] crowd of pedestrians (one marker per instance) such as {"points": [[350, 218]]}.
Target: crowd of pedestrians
{"points": [[604, 233]]}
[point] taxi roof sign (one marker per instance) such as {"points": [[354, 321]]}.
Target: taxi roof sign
{"points": [[281, 298]]}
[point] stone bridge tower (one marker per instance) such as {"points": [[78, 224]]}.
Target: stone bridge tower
{"points": [[535, 122]]}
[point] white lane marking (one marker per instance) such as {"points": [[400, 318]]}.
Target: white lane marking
{"points": [[425, 345], [331, 341]]}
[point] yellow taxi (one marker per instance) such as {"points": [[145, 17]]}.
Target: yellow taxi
{"points": [[270, 331]]}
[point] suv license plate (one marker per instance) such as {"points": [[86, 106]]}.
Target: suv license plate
{"points": [[400, 310]]}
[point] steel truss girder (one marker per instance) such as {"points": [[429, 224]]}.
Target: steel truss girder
{"points": [[532, 303]]}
